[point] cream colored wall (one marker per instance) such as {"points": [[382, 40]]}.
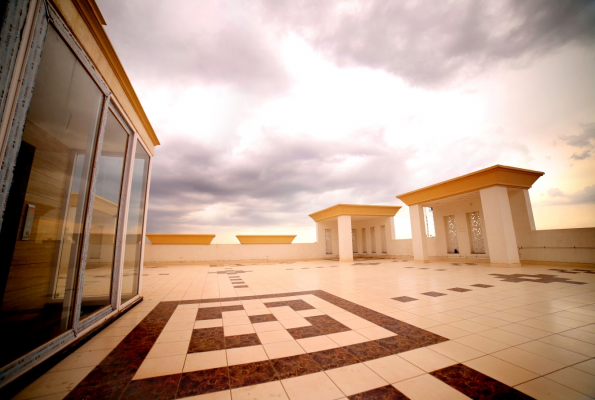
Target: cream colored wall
{"points": [[554, 245], [230, 252]]}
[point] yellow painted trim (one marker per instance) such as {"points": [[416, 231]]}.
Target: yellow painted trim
{"points": [[497, 175], [355, 210], [175, 238], [90, 14], [266, 239]]}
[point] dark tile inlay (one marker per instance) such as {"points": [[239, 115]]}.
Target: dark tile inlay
{"points": [[304, 332], [367, 351], [162, 387], [333, 358], [327, 325], [289, 367], [251, 374], [434, 294], [276, 304], [250, 339], [481, 285], [241, 286], [202, 382], [458, 289], [209, 313], [207, 333], [262, 318], [404, 299], [299, 305], [398, 344], [538, 278], [207, 344], [387, 392], [475, 384]]}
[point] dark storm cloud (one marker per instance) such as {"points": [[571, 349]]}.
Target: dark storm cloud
{"points": [[435, 43], [188, 42], [584, 141]]}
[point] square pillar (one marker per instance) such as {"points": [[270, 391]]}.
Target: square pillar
{"points": [[499, 228], [345, 241], [418, 233]]}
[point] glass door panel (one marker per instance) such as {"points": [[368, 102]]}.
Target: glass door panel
{"points": [[134, 228], [97, 286], [42, 230]]}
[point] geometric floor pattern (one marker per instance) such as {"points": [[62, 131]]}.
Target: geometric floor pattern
{"points": [[328, 330]]}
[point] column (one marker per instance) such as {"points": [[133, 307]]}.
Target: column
{"points": [[418, 233], [499, 228], [345, 244]]}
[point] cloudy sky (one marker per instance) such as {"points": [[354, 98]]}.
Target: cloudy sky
{"points": [[270, 110]]}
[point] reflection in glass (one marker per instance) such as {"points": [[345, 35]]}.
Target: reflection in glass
{"points": [[104, 223], [42, 230], [134, 230]]}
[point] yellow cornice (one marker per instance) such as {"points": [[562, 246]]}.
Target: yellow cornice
{"points": [[92, 17], [175, 238], [497, 175], [355, 210], [266, 239]]}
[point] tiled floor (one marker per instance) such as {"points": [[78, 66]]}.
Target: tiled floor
{"points": [[371, 329]]}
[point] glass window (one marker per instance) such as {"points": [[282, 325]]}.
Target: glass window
{"points": [[134, 229], [42, 230], [97, 286]]}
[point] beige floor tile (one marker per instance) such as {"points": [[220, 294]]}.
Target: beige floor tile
{"points": [[236, 330], [375, 332], [426, 387], [347, 338], [112, 331], [169, 349], [175, 336], [208, 323], [55, 396], [268, 326], [236, 321], [355, 378], [508, 338], [449, 332], [283, 349], [554, 353], [358, 323], [578, 346], [575, 379], [317, 343], [470, 326], [501, 370], [294, 323], [231, 303], [489, 321], [588, 328], [529, 361], [152, 367], [313, 386], [244, 355], [81, 360], [524, 330], [456, 351], [54, 382], [580, 335], [443, 318], [101, 343], [281, 310], [233, 314], [258, 311], [274, 336], [506, 316], [393, 368], [427, 359], [544, 325], [587, 366], [545, 389], [205, 360], [482, 343], [310, 313], [423, 322], [178, 326], [287, 315], [269, 390]]}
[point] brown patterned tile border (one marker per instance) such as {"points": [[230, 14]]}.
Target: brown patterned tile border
{"points": [[460, 290], [481, 285], [113, 376], [262, 318], [387, 392], [475, 384], [434, 294], [538, 278]]}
